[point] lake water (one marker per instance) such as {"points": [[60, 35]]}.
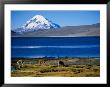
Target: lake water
{"points": [[55, 46]]}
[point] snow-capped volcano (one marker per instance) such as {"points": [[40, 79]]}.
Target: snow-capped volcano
{"points": [[36, 23]]}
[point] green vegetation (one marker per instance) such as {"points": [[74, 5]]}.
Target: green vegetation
{"points": [[49, 68]]}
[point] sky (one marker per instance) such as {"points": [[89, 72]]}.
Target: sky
{"points": [[62, 18]]}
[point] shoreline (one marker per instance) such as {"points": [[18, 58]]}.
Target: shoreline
{"points": [[55, 57], [53, 36]]}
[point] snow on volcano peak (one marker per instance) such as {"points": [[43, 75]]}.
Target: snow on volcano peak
{"points": [[37, 22], [39, 18]]}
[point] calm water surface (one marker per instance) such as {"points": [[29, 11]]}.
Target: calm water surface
{"points": [[55, 46]]}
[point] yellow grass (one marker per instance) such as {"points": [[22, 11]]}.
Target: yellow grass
{"points": [[31, 70]]}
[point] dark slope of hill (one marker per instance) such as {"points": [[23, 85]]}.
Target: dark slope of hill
{"points": [[13, 33]]}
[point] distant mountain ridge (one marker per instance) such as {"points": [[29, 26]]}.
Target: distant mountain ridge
{"points": [[68, 31]]}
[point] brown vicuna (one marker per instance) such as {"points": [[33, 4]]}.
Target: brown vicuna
{"points": [[41, 62], [19, 64], [61, 63]]}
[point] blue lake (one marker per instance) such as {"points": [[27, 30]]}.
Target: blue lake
{"points": [[55, 46]]}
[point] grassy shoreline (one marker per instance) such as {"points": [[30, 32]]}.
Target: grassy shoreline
{"points": [[48, 67]]}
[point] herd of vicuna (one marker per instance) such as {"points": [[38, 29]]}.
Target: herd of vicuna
{"points": [[20, 63]]}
